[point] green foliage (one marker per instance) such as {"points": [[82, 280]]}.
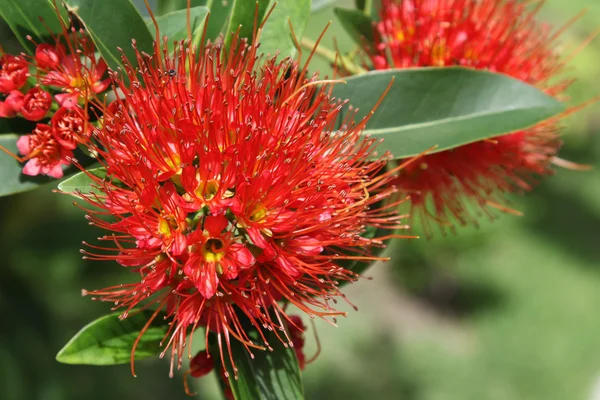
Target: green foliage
{"points": [[276, 34], [169, 6], [24, 18], [264, 374], [219, 17], [317, 5], [242, 17], [174, 25], [112, 24], [358, 24], [81, 182], [109, 340], [443, 107]]}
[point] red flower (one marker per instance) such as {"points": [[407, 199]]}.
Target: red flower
{"points": [[14, 71], [11, 105], [46, 156], [70, 127], [48, 56], [231, 190], [36, 104], [216, 253], [201, 364], [500, 36], [77, 73]]}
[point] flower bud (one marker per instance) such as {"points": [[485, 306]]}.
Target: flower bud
{"points": [[36, 104]]}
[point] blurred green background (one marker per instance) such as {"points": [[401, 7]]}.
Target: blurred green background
{"points": [[508, 311]]}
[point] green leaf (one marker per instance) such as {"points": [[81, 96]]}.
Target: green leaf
{"points": [[81, 182], [112, 24], [270, 375], [219, 13], [174, 25], [444, 107], [317, 5], [276, 34], [219, 17], [364, 5], [23, 18], [12, 181], [109, 340], [168, 6], [242, 16], [358, 24]]}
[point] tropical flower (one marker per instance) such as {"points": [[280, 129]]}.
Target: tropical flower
{"points": [[43, 153], [72, 76], [500, 36], [36, 104], [231, 192], [70, 127], [78, 73], [11, 106], [13, 72]]}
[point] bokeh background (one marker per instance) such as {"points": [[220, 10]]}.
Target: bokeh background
{"points": [[506, 311]]}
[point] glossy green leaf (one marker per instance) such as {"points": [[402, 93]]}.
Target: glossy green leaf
{"points": [[23, 18], [174, 25], [444, 107], [109, 340], [112, 24], [220, 11], [270, 375], [276, 33], [219, 17], [81, 182], [358, 24], [168, 6], [242, 17]]}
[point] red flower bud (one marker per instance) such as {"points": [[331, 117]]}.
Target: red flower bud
{"points": [[201, 364], [12, 105], [69, 127], [36, 104], [48, 56], [13, 73], [296, 328]]}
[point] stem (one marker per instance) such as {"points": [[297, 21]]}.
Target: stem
{"points": [[333, 57]]}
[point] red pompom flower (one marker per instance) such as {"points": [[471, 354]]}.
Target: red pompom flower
{"points": [[496, 35], [230, 192]]}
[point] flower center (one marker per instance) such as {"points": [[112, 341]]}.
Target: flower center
{"points": [[208, 189], [258, 213], [213, 250], [166, 224]]}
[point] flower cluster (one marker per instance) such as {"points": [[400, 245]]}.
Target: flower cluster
{"points": [[500, 36], [71, 71], [231, 191]]}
